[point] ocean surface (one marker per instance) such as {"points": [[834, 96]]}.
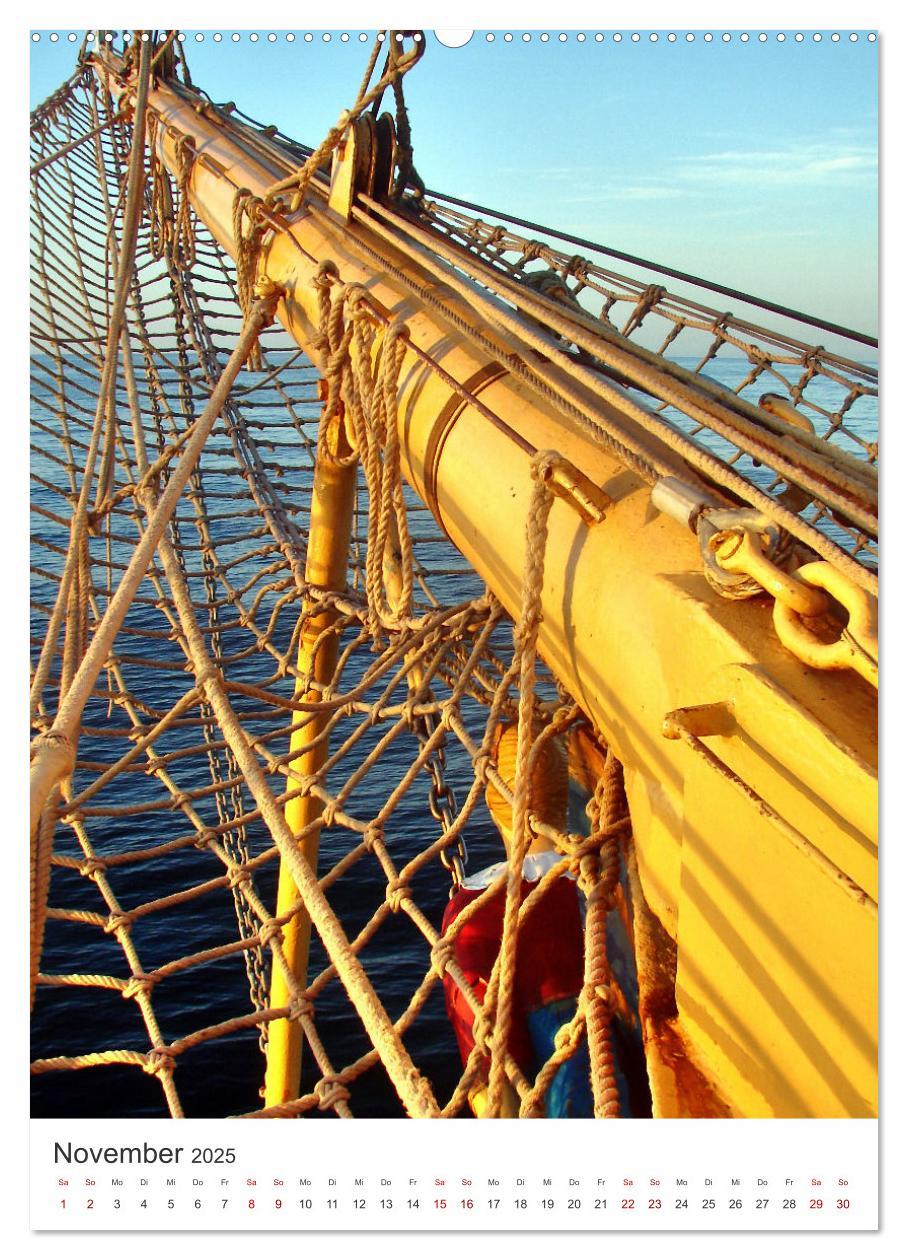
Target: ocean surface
{"points": [[223, 1076]]}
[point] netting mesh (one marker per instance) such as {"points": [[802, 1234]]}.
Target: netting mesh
{"points": [[835, 396], [163, 867]]}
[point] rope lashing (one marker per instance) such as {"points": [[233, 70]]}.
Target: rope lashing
{"points": [[184, 235], [362, 395], [599, 873], [248, 232], [525, 634]]}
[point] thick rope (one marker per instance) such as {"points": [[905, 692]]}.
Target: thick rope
{"points": [[525, 635], [599, 878]]}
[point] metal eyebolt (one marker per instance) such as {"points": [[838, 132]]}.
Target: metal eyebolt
{"points": [[857, 647]]}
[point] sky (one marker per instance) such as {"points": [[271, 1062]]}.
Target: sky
{"points": [[753, 164]]}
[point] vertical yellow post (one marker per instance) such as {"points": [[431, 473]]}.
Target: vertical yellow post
{"points": [[330, 525]]}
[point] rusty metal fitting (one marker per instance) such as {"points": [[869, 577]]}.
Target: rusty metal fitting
{"points": [[739, 551], [569, 483], [266, 288]]}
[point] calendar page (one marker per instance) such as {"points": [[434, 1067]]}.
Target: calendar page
{"points": [[454, 626]]}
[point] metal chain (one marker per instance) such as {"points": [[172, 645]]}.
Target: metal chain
{"points": [[234, 839], [442, 803]]}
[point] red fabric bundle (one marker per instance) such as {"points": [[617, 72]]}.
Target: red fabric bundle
{"points": [[549, 959]]}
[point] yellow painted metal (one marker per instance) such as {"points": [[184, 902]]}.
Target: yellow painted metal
{"points": [[856, 648], [779, 938], [776, 967], [330, 524]]}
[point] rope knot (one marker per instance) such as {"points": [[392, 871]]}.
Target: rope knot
{"points": [[396, 893], [651, 295], [356, 299], [482, 1031], [205, 837], [326, 275], [185, 149], [568, 1035], [758, 355], [117, 921], [441, 954], [239, 877], [300, 1008], [138, 986], [603, 994], [481, 766], [578, 267], [330, 1091], [160, 1059], [543, 465], [396, 329], [92, 866], [448, 714], [271, 931], [265, 288], [373, 834], [575, 869]]}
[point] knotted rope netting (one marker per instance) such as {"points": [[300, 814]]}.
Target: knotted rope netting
{"points": [[170, 826]]}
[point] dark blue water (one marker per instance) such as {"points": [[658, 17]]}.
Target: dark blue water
{"points": [[223, 1076]]}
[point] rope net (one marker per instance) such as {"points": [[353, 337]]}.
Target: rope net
{"points": [[774, 371], [159, 840], [214, 744]]}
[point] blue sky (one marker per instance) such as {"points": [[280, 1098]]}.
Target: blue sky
{"points": [[750, 163]]}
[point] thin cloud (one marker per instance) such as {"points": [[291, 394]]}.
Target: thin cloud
{"points": [[544, 173], [807, 163], [627, 192]]}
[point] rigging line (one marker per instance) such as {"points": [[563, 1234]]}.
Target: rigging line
{"points": [[74, 144], [601, 427], [739, 295], [686, 401]]}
